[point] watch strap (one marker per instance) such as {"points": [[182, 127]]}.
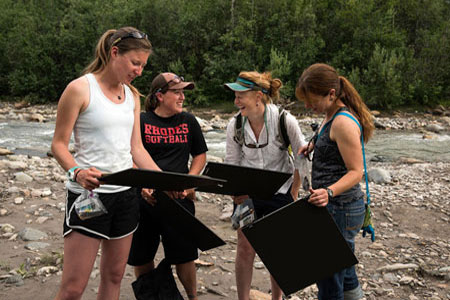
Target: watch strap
{"points": [[71, 173]]}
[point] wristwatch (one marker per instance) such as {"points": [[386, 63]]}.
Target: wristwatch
{"points": [[330, 193], [71, 173]]}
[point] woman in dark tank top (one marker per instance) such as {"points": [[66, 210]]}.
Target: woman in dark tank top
{"points": [[337, 162]]}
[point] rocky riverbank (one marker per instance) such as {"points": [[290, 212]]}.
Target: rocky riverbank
{"points": [[410, 258], [433, 121]]}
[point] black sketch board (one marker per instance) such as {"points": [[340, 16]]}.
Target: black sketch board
{"points": [[257, 183], [299, 244], [165, 181], [187, 224]]}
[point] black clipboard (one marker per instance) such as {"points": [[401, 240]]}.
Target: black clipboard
{"points": [[177, 215], [257, 183], [184, 222], [161, 180], [299, 244]]}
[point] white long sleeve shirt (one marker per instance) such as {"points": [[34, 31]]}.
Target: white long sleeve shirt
{"points": [[271, 157]]}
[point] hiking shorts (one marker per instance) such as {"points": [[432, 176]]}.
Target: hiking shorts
{"points": [[153, 228], [121, 219]]}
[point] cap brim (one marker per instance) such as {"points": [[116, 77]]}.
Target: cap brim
{"points": [[183, 86], [236, 87]]}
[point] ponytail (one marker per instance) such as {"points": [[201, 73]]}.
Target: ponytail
{"points": [[102, 54], [150, 102], [275, 86], [351, 98]]}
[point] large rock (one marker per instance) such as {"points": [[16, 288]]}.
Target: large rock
{"points": [[17, 165], [379, 125], [6, 228], [47, 270], [36, 246], [398, 267], [13, 190], [257, 295], [36, 118], [438, 111], [31, 234], [410, 160], [22, 177], [4, 151], [434, 128], [15, 279], [21, 104], [379, 175], [446, 120], [375, 113]]}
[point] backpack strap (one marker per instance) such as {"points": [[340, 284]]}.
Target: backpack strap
{"points": [[239, 129], [362, 145], [282, 131], [367, 226]]}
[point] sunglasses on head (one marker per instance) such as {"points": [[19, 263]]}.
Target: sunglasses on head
{"points": [[133, 34], [176, 79]]}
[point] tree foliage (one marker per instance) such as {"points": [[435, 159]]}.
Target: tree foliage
{"points": [[395, 52]]}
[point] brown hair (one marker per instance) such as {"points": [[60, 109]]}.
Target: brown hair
{"points": [[319, 79], [109, 39], [265, 81]]}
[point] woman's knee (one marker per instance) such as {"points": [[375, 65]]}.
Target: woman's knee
{"points": [[245, 251], [71, 291], [113, 275]]}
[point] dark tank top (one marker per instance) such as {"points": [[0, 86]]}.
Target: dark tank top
{"points": [[328, 166]]}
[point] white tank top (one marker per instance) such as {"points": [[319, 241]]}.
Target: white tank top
{"points": [[102, 135]]}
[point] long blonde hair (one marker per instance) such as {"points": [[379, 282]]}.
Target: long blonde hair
{"points": [[265, 81], [319, 79], [103, 49]]}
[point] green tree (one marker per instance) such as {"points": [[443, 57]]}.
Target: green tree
{"points": [[383, 78]]}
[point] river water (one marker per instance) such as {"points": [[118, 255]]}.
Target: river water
{"points": [[35, 139]]}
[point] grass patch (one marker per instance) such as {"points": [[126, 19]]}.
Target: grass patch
{"points": [[54, 259], [4, 266]]}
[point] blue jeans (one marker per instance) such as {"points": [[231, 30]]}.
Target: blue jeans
{"points": [[349, 217]]}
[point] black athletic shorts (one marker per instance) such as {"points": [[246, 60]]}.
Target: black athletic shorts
{"points": [[178, 248], [265, 207], [121, 220]]}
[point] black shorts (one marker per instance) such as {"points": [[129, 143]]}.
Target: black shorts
{"points": [[178, 249], [121, 220], [265, 207]]}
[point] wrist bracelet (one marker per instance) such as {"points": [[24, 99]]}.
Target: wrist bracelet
{"points": [[76, 174]]}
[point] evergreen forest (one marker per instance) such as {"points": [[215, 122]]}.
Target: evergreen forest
{"points": [[395, 52]]}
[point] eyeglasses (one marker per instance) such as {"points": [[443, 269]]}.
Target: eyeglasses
{"points": [[313, 139], [254, 146], [176, 79], [134, 34]]}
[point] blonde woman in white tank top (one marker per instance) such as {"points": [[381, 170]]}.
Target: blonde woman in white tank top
{"points": [[102, 109]]}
